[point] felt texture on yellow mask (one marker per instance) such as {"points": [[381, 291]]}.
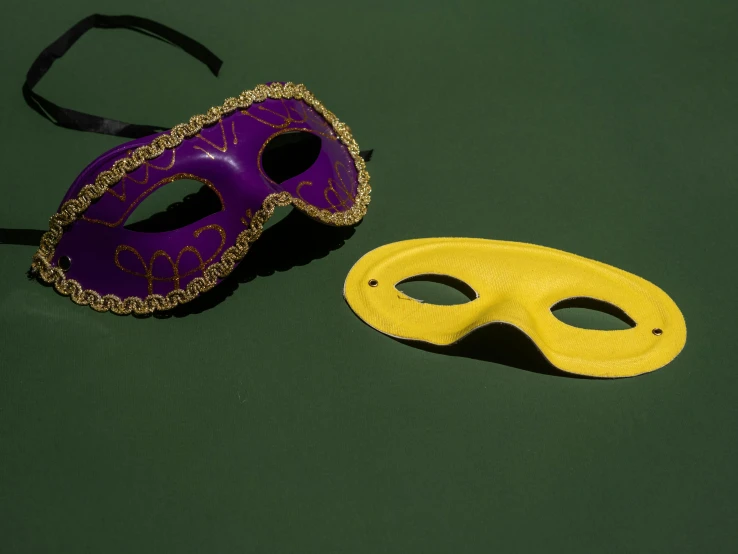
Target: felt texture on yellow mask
{"points": [[518, 284]]}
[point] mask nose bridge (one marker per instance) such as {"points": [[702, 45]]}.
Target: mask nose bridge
{"points": [[508, 297], [233, 164], [509, 309]]}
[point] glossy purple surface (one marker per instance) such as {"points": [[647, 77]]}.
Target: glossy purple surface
{"points": [[110, 259]]}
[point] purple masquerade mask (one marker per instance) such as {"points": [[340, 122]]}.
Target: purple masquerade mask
{"points": [[91, 255]]}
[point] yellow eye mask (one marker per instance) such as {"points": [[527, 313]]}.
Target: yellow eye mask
{"points": [[518, 284]]}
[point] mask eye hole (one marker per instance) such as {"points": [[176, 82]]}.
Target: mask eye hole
{"points": [[591, 313], [441, 290], [174, 205], [287, 155]]}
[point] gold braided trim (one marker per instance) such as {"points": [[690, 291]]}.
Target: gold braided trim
{"points": [[73, 209]]}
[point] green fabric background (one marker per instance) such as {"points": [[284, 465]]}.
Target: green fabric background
{"points": [[275, 420]]}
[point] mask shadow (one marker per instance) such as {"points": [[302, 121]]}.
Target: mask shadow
{"points": [[498, 343], [294, 241]]}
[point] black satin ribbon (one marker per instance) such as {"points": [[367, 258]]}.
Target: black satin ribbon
{"points": [[80, 121]]}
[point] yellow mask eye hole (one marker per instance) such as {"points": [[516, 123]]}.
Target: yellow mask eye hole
{"points": [[592, 313], [437, 289]]}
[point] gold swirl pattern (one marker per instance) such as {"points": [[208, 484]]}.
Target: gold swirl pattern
{"points": [[223, 148], [286, 117], [299, 187], [345, 201], [148, 273], [341, 201], [147, 165], [73, 209]]}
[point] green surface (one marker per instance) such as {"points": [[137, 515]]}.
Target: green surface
{"points": [[275, 420]]}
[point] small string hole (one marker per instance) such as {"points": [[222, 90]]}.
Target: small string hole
{"points": [[373, 282], [658, 332], [65, 262]]}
